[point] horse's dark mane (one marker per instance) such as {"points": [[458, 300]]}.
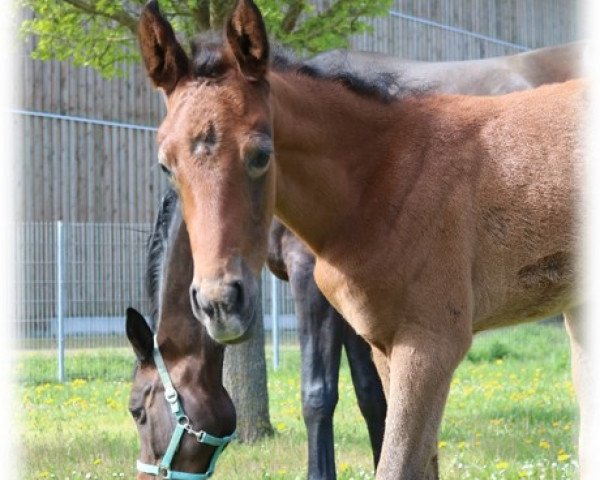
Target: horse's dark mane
{"points": [[207, 55], [208, 61], [156, 250]]}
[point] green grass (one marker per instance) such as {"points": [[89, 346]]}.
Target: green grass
{"points": [[511, 414]]}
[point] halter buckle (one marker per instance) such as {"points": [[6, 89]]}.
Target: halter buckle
{"points": [[164, 472], [171, 395]]}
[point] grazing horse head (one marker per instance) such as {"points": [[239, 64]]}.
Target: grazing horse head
{"points": [[183, 414], [216, 145]]}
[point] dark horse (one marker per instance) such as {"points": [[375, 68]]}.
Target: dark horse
{"points": [[183, 414], [431, 216], [322, 330]]}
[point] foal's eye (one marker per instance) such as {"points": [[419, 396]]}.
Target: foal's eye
{"points": [[257, 162]]}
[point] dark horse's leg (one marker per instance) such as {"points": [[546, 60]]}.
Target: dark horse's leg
{"points": [[367, 385], [320, 332]]}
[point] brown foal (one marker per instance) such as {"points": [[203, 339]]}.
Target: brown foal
{"points": [[431, 216]]}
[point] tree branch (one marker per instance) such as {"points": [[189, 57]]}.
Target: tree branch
{"points": [[121, 16], [201, 14], [219, 12], [291, 16]]}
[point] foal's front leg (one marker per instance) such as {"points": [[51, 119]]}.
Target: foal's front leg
{"points": [[421, 366], [382, 365]]}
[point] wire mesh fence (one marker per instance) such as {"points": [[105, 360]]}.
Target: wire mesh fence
{"points": [[75, 281]]}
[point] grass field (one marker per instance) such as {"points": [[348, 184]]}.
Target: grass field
{"points": [[511, 414]]}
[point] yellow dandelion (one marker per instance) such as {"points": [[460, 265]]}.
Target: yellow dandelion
{"points": [[97, 461], [442, 444], [523, 473], [563, 456], [41, 388], [280, 426], [544, 444], [344, 467], [502, 465]]}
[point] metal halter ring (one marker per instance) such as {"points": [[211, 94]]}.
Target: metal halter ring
{"points": [[184, 421]]}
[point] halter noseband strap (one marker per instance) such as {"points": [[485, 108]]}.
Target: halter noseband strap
{"points": [[163, 470]]}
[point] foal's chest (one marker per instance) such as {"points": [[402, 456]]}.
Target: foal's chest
{"points": [[350, 298]]}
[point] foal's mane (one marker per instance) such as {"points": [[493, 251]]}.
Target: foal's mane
{"points": [[156, 248], [209, 61]]}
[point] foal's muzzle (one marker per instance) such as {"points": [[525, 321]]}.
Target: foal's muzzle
{"points": [[225, 307], [223, 299]]}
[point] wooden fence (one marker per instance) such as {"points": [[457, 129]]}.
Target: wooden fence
{"points": [[436, 30], [87, 145], [86, 171]]}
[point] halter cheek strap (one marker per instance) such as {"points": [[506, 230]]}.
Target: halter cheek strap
{"points": [[163, 469]]}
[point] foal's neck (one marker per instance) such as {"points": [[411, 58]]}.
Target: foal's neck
{"points": [[328, 141]]}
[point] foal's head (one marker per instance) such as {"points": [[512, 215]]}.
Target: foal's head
{"points": [[193, 361], [216, 145]]}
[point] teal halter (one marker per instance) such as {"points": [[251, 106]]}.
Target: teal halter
{"points": [[163, 470]]}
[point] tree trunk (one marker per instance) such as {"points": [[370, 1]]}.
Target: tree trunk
{"points": [[245, 378]]}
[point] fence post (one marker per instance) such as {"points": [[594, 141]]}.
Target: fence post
{"points": [[275, 321], [60, 299]]}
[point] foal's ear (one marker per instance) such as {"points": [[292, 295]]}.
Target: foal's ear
{"points": [[139, 334], [165, 60], [247, 38]]}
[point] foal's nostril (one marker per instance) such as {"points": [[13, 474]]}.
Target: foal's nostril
{"points": [[236, 295], [208, 309], [226, 299], [194, 298]]}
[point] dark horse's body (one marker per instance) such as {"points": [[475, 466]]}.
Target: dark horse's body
{"points": [[488, 76], [322, 330]]}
